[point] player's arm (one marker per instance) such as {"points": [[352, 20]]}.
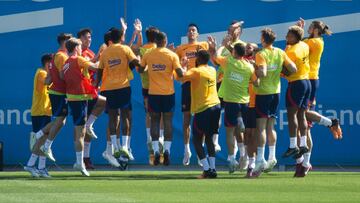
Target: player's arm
{"points": [[48, 79], [261, 66], [85, 64], [289, 65], [41, 78], [180, 72], [124, 28], [216, 57], [188, 75]]}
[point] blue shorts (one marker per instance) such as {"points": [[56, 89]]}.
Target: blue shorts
{"points": [[267, 105], [250, 118], [91, 105], [78, 112], [161, 103], [118, 99], [314, 86], [206, 122], [233, 111], [145, 93], [298, 94], [38, 122], [185, 97], [59, 105]]}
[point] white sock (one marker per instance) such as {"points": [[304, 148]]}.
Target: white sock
{"points": [[216, 139], [39, 134], [113, 141], [128, 142], [325, 121], [306, 162], [90, 121], [212, 162], [300, 160], [260, 156], [155, 145], [124, 140], [161, 133], [272, 153], [241, 147], [231, 157], [48, 143], [167, 146], [118, 143], [251, 162], [32, 160], [80, 158], [148, 135], [293, 142], [187, 148], [205, 164], [87, 149], [241, 123], [42, 162], [303, 141], [109, 147]]}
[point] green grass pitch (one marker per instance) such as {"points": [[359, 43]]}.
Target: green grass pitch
{"points": [[179, 186]]}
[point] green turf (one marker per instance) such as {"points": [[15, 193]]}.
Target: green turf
{"points": [[179, 186]]}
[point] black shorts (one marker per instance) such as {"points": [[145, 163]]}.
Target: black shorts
{"points": [[39, 122], [314, 87], [298, 94], [161, 103], [267, 105], [91, 105], [206, 122], [186, 97], [250, 121], [118, 99], [78, 112], [145, 93], [232, 113], [59, 105]]}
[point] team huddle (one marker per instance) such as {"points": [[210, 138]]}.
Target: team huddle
{"points": [[245, 84]]}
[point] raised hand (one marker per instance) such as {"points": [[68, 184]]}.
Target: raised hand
{"points": [[184, 61], [211, 42], [137, 25], [123, 24], [301, 23], [171, 46]]}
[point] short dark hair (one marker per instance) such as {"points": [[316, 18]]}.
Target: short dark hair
{"points": [[46, 58], [72, 43], [151, 33], [194, 25], [83, 32], [268, 35], [115, 35], [160, 38], [240, 49], [297, 31], [202, 57], [107, 38], [62, 37]]}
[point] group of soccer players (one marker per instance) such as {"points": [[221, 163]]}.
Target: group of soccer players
{"points": [[246, 85]]}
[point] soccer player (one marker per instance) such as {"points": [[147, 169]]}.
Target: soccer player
{"points": [[57, 91], [205, 105], [113, 72], [97, 101], [298, 91], [40, 117], [269, 64], [237, 75], [78, 91], [189, 51], [161, 63]]}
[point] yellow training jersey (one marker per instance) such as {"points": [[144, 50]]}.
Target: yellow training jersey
{"points": [[40, 101], [161, 63], [144, 76], [299, 54], [190, 50], [316, 47], [203, 88], [115, 64]]}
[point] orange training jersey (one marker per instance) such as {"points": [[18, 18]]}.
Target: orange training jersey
{"points": [[115, 64], [316, 46], [41, 105], [190, 50], [299, 54], [161, 63]]}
